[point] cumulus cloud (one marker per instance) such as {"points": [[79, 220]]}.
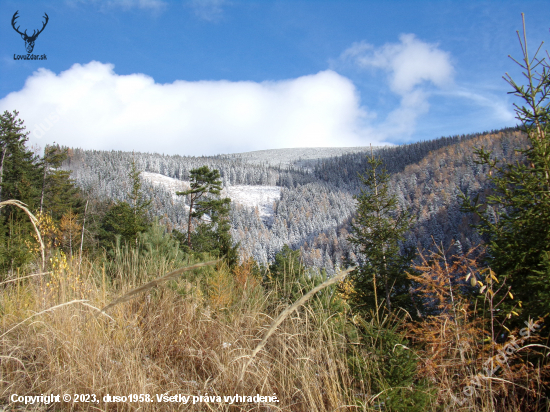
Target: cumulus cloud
{"points": [[91, 106], [412, 67], [409, 63]]}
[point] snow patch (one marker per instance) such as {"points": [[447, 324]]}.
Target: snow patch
{"points": [[261, 197], [169, 183]]}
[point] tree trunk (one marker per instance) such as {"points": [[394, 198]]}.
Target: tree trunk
{"points": [[375, 295], [2, 169], [388, 301], [82, 238], [43, 186], [192, 201]]}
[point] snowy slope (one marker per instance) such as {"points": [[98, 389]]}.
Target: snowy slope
{"points": [[169, 183], [261, 197]]}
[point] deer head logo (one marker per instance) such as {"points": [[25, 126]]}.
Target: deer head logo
{"points": [[29, 40]]}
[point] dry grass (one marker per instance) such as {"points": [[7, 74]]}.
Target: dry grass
{"points": [[196, 334], [170, 340]]}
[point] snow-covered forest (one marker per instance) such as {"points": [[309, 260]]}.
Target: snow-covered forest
{"points": [[306, 199]]}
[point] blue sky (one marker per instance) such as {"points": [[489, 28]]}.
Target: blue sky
{"points": [[202, 77]]}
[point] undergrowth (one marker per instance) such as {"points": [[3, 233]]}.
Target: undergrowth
{"points": [[195, 335]]}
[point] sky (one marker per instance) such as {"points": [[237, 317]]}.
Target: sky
{"points": [[206, 77]]}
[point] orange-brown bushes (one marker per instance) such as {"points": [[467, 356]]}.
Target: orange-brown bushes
{"points": [[457, 342]]}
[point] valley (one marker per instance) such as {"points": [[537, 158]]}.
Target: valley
{"points": [[309, 208]]}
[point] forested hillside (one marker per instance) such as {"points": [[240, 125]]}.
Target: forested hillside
{"points": [[314, 209], [342, 170], [413, 278], [296, 157]]}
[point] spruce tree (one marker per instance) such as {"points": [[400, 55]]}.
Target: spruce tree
{"points": [[378, 228], [20, 174], [59, 194], [515, 217], [19, 169], [286, 274], [126, 220], [138, 203]]}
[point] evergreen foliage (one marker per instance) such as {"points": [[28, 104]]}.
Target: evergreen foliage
{"points": [[203, 181], [393, 365], [342, 170], [138, 202], [123, 222], [157, 241], [19, 180], [287, 263], [18, 169], [313, 212], [214, 236], [367, 360], [515, 216], [377, 230], [59, 195], [212, 233], [286, 275]]}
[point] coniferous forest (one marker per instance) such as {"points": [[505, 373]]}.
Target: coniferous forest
{"points": [[405, 278]]}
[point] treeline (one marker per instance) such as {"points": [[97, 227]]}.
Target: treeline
{"points": [[92, 167], [343, 170], [43, 186], [38, 195]]}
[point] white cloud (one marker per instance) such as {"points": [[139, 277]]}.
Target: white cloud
{"points": [[141, 4], [411, 66], [91, 106], [500, 108], [124, 4], [209, 10], [409, 63]]}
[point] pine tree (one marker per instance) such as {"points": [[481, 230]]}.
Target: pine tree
{"points": [[215, 236], [515, 217], [203, 182], [378, 229], [212, 233]]}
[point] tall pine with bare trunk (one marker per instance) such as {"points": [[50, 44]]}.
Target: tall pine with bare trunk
{"points": [[203, 182]]}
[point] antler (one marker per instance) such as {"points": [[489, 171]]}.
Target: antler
{"points": [[15, 16], [34, 33], [42, 29]]}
